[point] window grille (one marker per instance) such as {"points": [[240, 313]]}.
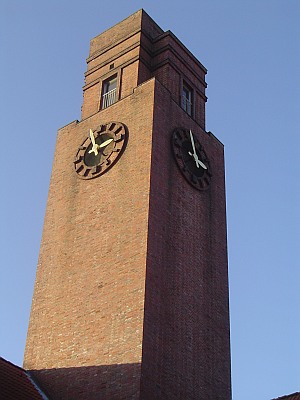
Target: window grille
{"points": [[109, 98], [109, 92]]}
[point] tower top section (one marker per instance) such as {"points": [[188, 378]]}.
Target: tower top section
{"points": [[134, 51], [131, 25]]}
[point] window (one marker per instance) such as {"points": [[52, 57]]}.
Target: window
{"points": [[109, 92], [186, 99]]}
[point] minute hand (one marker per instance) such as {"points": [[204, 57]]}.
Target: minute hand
{"points": [[95, 146], [193, 144], [195, 155]]}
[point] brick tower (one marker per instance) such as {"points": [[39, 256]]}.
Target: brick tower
{"points": [[131, 292]]}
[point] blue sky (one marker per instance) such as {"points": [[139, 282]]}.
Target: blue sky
{"points": [[251, 51]]}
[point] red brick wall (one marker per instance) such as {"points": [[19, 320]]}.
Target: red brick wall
{"points": [[186, 351], [129, 79], [88, 304]]}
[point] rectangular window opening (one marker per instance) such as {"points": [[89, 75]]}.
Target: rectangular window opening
{"points": [[186, 99], [109, 92]]}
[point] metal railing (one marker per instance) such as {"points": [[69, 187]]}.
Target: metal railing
{"points": [[109, 98]]}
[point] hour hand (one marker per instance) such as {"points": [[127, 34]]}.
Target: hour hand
{"points": [[201, 163], [197, 161], [104, 144]]}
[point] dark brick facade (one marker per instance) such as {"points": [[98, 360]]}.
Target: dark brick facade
{"points": [[131, 293]]}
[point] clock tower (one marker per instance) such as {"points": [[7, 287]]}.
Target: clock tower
{"points": [[131, 292]]}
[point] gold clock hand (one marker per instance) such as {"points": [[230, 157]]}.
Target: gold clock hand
{"points": [[95, 145], [92, 137], [197, 161], [195, 158], [195, 155], [103, 144], [194, 149], [201, 163], [193, 144]]}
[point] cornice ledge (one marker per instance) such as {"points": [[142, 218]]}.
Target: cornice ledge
{"points": [[171, 34]]}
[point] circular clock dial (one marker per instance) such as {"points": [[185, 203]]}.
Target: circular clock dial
{"points": [[100, 150], [90, 158], [191, 158]]}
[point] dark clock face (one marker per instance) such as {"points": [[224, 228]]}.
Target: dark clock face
{"points": [[100, 150], [191, 158]]}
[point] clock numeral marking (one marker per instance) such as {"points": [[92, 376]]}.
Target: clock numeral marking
{"points": [[119, 137], [96, 169], [111, 126], [106, 162], [83, 170], [206, 180], [119, 133], [179, 136], [194, 179], [79, 169], [78, 159], [86, 171], [177, 152]]}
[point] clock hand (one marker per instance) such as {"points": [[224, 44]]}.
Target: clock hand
{"points": [[195, 155], [197, 161], [103, 144], [194, 150], [92, 137], [95, 145], [195, 158], [193, 144], [201, 163]]}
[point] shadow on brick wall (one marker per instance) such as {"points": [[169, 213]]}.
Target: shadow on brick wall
{"points": [[105, 382]]}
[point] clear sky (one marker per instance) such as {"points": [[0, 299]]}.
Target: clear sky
{"points": [[251, 51]]}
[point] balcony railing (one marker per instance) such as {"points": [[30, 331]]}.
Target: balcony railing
{"points": [[109, 98]]}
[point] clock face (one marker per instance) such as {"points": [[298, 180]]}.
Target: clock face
{"points": [[100, 150], [191, 158]]}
